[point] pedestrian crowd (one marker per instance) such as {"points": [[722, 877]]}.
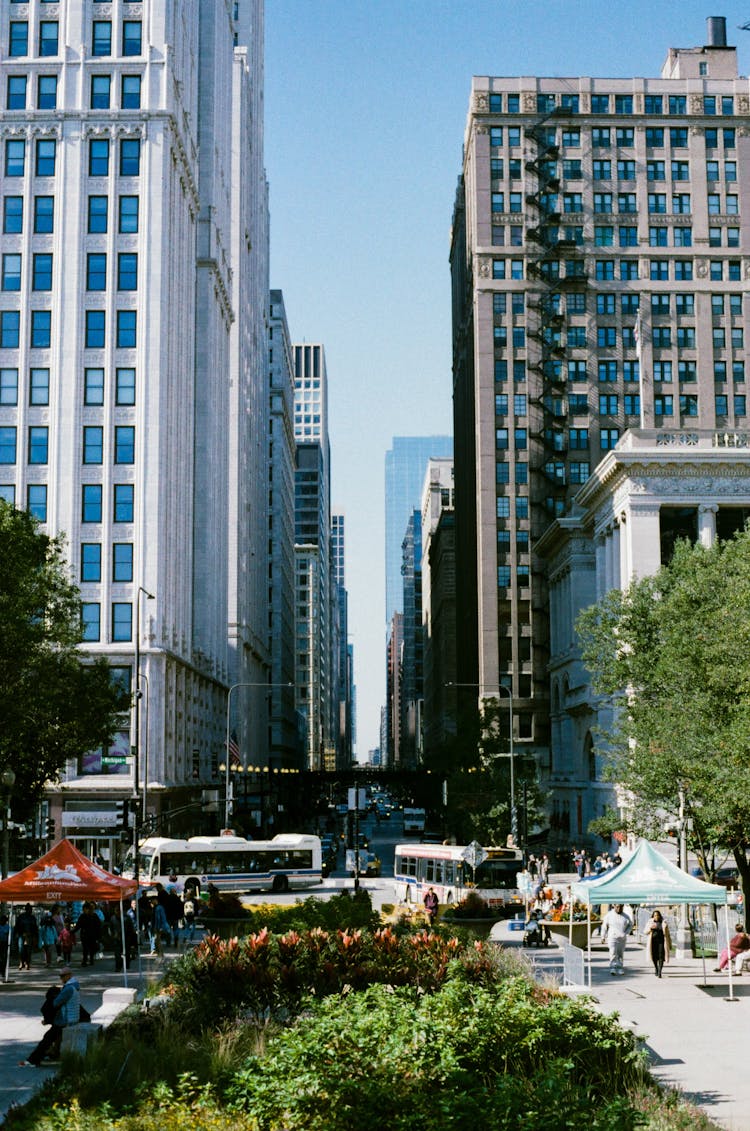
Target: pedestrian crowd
{"points": [[54, 936]]}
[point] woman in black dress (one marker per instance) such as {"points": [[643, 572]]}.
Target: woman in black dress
{"points": [[659, 941]]}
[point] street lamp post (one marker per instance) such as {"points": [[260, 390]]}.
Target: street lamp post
{"points": [[511, 751], [7, 781], [228, 778], [137, 720]]}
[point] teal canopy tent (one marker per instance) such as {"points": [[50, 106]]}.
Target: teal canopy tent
{"points": [[648, 878]]}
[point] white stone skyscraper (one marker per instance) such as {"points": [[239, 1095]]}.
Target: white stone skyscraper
{"points": [[132, 356]]}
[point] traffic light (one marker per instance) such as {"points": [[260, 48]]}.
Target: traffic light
{"points": [[50, 828], [122, 810]]}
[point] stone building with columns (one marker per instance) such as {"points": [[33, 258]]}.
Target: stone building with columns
{"points": [[653, 488]]}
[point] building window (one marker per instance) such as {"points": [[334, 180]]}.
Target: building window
{"points": [[18, 39], [659, 269], [664, 405], [41, 329], [99, 157], [654, 137], [9, 328], [608, 404], [125, 386], [44, 214], [689, 404], [600, 104], [604, 235], [11, 272], [130, 92], [607, 371], [15, 157], [97, 214], [96, 271], [12, 215], [632, 404], [36, 501], [608, 438], [653, 104], [682, 237], [631, 371], [628, 268], [123, 502], [678, 137], [126, 329], [683, 269], [606, 337], [101, 92], [657, 202], [686, 371], [663, 371], [628, 236], [122, 561], [38, 386], [602, 170], [503, 576], [41, 279], [657, 236], [95, 329], [604, 269], [93, 443], [130, 157], [46, 151], [626, 170], [579, 439], [685, 304], [90, 621], [740, 406], [127, 271], [48, 37], [681, 203], [8, 386], [93, 386], [662, 337], [46, 92], [124, 443], [91, 561], [91, 502], [579, 471], [101, 38], [131, 37], [721, 404], [38, 444], [602, 202], [16, 93]]}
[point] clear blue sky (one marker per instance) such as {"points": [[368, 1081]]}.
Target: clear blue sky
{"points": [[366, 103]]}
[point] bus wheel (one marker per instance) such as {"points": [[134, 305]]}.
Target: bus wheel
{"points": [[280, 883]]}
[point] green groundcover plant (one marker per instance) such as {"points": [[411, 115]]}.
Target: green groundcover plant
{"points": [[337, 1030]]}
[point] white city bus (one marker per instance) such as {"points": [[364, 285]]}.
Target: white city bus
{"points": [[414, 820], [231, 863], [418, 867]]}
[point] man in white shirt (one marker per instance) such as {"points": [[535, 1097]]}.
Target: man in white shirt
{"points": [[615, 929]]}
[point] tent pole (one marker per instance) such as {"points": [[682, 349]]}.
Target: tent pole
{"points": [[124, 947], [11, 932], [729, 956], [588, 933]]}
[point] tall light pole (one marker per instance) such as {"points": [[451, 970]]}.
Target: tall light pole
{"points": [[228, 780], [137, 720], [7, 780], [511, 749]]}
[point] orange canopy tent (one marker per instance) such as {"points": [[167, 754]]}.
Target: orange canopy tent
{"points": [[64, 874]]}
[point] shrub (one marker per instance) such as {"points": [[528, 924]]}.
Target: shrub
{"points": [[472, 906], [465, 1055]]}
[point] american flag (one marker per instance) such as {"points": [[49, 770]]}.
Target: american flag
{"points": [[234, 750]]}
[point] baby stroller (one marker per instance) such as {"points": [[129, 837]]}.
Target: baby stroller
{"points": [[534, 933]]}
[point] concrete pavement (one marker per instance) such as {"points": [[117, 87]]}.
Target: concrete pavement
{"points": [[21, 1021], [696, 1039]]}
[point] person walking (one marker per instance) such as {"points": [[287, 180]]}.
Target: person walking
{"points": [[67, 1006], [48, 938], [89, 930], [659, 941], [616, 926], [27, 933], [431, 904]]}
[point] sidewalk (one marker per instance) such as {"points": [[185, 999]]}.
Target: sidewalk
{"points": [[21, 1020], [696, 1039]]}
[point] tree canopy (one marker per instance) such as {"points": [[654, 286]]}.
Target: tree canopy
{"points": [[55, 701], [672, 652]]}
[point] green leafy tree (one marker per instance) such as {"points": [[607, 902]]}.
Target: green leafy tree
{"points": [[475, 764], [672, 653], [55, 701]]}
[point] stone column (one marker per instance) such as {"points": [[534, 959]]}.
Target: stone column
{"points": [[707, 524]]}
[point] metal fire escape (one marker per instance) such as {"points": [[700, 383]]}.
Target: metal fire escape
{"points": [[555, 266]]}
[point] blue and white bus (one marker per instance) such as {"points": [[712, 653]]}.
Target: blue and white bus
{"points": [[444, 867], [286, 863]]}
